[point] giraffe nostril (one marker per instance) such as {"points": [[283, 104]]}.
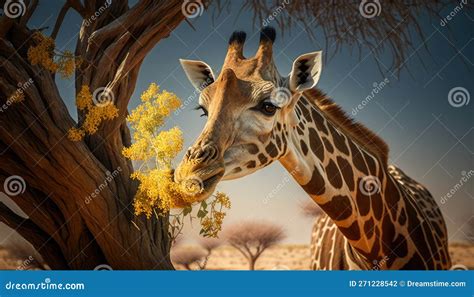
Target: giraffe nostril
{"points": [[202, 154], [188, 152], [205, 153], [214, 152]]}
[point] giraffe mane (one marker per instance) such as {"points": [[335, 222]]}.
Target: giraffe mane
{"points": [[359, 133]]}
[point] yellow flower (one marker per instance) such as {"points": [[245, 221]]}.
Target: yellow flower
{"points": [[84, 98], [66, 64], [93, 115], [223, 199], [155, 149], [75, 134], [151, 93], [43, 54]]}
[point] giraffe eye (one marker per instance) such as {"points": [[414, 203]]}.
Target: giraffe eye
{"points": [[267, 108]]}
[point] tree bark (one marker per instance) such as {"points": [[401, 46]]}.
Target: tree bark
{"points": [[252, 263], [70, 229]]}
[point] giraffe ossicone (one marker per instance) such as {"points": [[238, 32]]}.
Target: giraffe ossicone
{"points": [[373, 211]]}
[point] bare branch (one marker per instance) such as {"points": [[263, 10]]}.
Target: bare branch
{"points": [[392, 27], [34, 235], [76, 4], [59, 20], [29, 12]]}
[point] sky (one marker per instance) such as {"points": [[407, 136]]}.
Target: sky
{"points": [[430, 139]]}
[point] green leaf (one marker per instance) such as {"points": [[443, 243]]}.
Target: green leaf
{"points": [[201, 213], [204, 204], [187, 210]]}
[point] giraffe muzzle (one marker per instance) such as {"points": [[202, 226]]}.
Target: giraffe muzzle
{"points": [[200, 171]]}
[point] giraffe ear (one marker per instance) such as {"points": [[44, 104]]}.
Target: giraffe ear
{"points": [[199, 73], [305, 72]]}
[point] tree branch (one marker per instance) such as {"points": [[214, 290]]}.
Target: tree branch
{"points": [[59, 20], [40, 240], [29, 12]]}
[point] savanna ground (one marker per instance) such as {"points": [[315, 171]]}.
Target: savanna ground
{"points": [[280, 257]]}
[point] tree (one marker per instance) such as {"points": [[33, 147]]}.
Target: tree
{"points": [[188, 256], [251, 238], [209, 244], [310, 209], [68, 228]]}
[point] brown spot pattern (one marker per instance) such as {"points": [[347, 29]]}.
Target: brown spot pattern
{"points": [[346, 170], [333, 174], [338, 208], [315, 144], [316, 185]]}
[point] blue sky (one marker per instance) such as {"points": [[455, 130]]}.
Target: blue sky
{"points": [[429, 139]]}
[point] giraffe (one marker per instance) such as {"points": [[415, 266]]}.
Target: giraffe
{"points": [[375, 215]]}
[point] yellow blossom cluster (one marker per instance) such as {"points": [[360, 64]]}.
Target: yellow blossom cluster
{"points": [[45, 55], [155, 150], [94, 115], [211, 223]]}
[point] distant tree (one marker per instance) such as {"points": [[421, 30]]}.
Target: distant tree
{"points": [[209, 244], [310, 209], [253, 238], [187, 257]]}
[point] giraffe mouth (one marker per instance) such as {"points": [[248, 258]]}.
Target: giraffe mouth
{"points": [[199, 185]]}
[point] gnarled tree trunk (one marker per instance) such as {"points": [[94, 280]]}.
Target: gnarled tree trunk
{"points": [[68, 226]]}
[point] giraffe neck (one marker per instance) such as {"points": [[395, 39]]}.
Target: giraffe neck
{"points": [[350, 185]]}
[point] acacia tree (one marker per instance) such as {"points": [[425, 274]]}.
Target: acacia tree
{"points": [[310, 209], [59, 174], [209, 244], [187, 257], [251, 239], [70, 231]]}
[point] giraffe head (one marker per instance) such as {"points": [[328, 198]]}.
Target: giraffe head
{"points": [[249, 109]]}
